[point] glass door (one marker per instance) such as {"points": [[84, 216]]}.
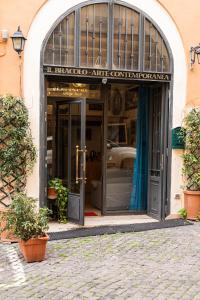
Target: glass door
{"points": [[71, 155], [120, 146], [156, 154]]}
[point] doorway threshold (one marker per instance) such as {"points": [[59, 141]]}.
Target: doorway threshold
{"points": [[102, 221], [110, 225]]}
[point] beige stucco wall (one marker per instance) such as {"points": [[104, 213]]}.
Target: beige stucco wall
{"points": [[20, 12], [12, 14], [186, 16]]}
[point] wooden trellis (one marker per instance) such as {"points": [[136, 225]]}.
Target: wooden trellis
{"points": [[10, 181]]}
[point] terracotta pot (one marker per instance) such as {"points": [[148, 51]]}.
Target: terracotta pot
{"points": [[192, 204], [7, 235], [52, 194], [34, 249]]}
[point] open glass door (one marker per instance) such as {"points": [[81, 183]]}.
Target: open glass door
{"points": [[71, 155], [67, 133], [77, 163]]}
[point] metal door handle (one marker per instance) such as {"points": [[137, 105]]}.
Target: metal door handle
{"points": [[77, 152], [77, 164], [84, 164], [162, 162]]}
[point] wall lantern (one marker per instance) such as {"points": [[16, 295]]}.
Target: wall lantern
{"points": [[194, 53], [18, 41]]}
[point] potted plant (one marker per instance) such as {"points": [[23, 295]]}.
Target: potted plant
{"points": [[29, 225], [6, 235], [191, 163], [52, 193], [61, 198], [17, 155]]}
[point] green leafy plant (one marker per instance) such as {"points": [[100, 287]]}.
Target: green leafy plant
{"points": [[191, 157], [18, 154], [183, 213], [62, 198], [23, 218]]}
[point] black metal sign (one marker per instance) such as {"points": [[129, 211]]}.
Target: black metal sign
{"points": [[99, 73]]}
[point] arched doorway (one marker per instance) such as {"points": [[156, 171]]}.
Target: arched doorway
{"points": [[32, 52], [107, 71]]}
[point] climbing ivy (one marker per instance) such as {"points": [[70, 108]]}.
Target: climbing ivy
{"points": [[17, 151], [191, 157]]}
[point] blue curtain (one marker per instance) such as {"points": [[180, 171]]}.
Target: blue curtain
{"points": [[140, 174]]}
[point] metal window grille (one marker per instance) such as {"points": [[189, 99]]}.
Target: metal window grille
{"points": [[107, 36]]}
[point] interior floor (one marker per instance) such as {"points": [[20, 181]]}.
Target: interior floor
{"points": [[91, 209]]}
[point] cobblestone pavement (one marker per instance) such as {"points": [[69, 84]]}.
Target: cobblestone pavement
{"points": [[159, 264]]}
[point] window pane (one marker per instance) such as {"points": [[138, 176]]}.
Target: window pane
{"points": [[159, 55], [57, 45], [147, 46], [156, 56], [126, 38], [166, 65], [60, 47], [94, 31], [156, 131], [62, 142], [154, 37], [50, 139], [121, 145]]}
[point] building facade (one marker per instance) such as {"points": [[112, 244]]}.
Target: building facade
{"points": [[105, 82]]}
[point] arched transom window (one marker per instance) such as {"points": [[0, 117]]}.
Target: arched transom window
{"points": [[107, 36]]}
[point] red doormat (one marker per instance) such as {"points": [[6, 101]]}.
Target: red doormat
{"points": [[90, 214]]}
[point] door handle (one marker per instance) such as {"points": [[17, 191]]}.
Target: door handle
{"points": [[77, 164], [84, 164], [162, 162]]}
